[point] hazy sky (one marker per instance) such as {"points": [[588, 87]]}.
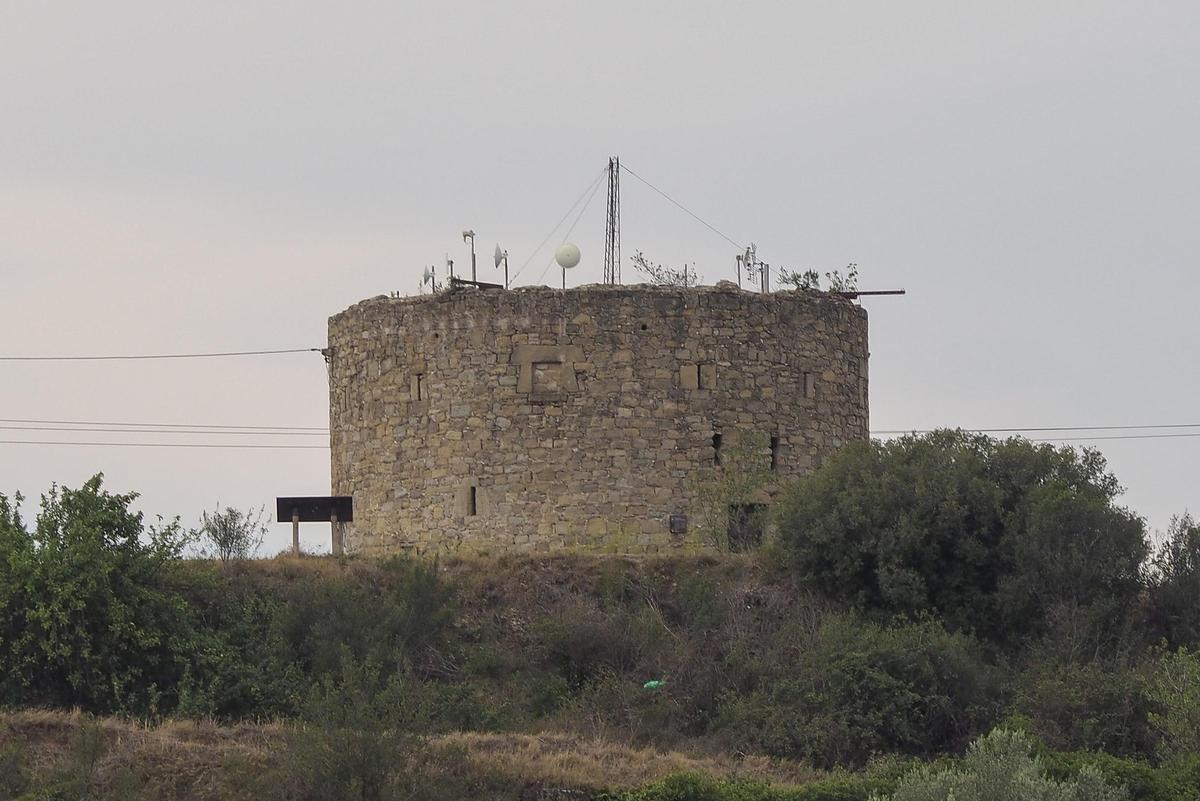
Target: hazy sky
{"points": [[181, 177]]}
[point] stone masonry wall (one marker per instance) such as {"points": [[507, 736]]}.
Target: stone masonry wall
{"points": [[540, 419]]}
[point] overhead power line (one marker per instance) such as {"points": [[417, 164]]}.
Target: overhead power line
{"points": [[157, 425], [230, 432], [163, 444], [1041, 429], [1113, 436], [567, 235], [582, 195], [144, 356], [683, 208]]}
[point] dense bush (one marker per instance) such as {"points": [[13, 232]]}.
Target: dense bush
{"points": [[97, 611], [864, 689], [1176, 689], [1102, 706], [1000, 767], [935, 539], [992, 537], [86, 616], [1174, 577]]}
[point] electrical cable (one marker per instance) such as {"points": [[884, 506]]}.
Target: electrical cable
{"points": [[1114, 436], [579, 200], [139, 357], [682, 207], [1042, 428], [163, 444], [168, 431], [159, 425], [567, 235]]}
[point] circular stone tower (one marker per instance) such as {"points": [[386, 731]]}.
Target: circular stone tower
{"points": [[596, 418]]}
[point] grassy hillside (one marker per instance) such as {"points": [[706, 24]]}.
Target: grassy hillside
{"points": [[917, 597], [205, 761]]}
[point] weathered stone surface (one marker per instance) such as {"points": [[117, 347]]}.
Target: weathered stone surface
{"points": [[575, 418]]}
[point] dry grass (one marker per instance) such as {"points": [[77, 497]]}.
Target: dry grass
{"points": [[566, 760], [175, 760], [204, 761]]}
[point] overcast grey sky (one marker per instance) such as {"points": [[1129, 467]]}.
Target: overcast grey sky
{"points": [[179, 177]]}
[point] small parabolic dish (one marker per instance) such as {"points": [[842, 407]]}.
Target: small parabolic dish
{"points": [[567, 255]]}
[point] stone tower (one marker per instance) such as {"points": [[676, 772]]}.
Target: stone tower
{"points": [[540, 419]]}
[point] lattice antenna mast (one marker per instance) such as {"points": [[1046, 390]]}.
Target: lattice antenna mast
{"points": [[612, 224]]}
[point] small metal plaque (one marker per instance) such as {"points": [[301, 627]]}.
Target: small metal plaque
{"points": [[678, 524], [315, 509]]}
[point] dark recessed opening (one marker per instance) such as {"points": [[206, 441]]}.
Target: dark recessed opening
{"points": [[745, 526], [716, 444], [644, 326], [471, 502], [774, 453], [420, 386]]}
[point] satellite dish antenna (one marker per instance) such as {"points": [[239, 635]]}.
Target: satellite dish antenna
{"points": [[502, 258], [567, 255], [428, 276]]}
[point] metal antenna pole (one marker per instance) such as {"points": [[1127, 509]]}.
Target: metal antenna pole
{"points": [[612, 224], [471, 235]]}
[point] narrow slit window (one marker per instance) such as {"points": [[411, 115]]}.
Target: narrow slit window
{"points": [[774, 454], [716, 445], [472, 502], [420, 386]]}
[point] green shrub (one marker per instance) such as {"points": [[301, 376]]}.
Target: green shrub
{"points": [[1176, 690], [240, 665], [695, 605], [1143, 782], [396, 623], [579, 642], [864, 689], [1096, 707], [14, 776], [990, 536], [698, 787], [999, 767], [358, 737], [1183, 777], [1175, 584], [86, 618]]}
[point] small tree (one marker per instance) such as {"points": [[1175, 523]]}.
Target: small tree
{"points": [[1174, 580], [731, 491], [1176, 690], [843, 283], [810, 280], [233, 534], [807, 280], [87, 617], [1008, 538], [660, 275]]}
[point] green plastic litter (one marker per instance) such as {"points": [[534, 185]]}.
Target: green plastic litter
{"points": [[653, 684]]}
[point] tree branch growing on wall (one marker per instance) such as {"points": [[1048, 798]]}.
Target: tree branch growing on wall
{"points": [[660, 275]]}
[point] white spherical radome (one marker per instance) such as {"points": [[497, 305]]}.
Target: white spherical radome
{"points": [[567, 255]]}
